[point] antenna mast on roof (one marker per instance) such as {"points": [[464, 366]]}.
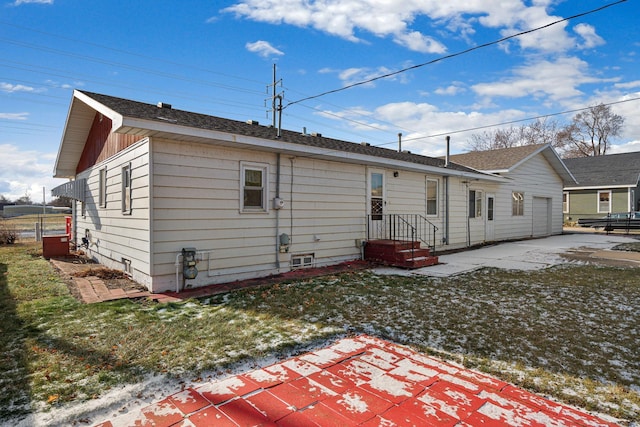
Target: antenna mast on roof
{"points": [[276, 101]]}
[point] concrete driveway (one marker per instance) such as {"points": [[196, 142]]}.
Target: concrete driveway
{"points": [[531, 254]]}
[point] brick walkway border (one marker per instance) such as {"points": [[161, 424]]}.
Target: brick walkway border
{"points": [[92, 289]]}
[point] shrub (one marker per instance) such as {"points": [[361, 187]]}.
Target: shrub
{"points": [[8, 233]]}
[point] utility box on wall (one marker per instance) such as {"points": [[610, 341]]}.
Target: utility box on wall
{"points": [[55, 246], [189, 270]]}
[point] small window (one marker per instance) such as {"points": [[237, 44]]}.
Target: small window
{"points": [[253, 187], [102, 190], [604, 201], [475, 204], [517, 203], [432, 197], [565, 202], [126, 189], [302, 261]]}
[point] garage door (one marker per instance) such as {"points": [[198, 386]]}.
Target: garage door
{"points": [[541, 216]]}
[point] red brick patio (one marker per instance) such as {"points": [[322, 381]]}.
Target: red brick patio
{"points": [[361, 381]]}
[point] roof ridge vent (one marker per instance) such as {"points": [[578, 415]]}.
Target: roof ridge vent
{"points": [[164, 105]]}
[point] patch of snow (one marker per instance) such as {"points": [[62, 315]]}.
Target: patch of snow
{"points": [[390, 385], [353, 403], [322, 357], [348, 346]]}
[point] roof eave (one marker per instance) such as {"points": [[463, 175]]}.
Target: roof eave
{"points": [[80, 115], [154, 128]]}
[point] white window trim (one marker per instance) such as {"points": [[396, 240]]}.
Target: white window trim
{"points": [[102, 187], [479, 194], [264, 168], [127, 186], [610, 200], [565, 193], [426, 208], [517, 206]]}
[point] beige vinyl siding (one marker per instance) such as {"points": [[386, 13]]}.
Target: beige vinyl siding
{"points": [[536, 179], [113, 235], [465, 231], [197, 204]]}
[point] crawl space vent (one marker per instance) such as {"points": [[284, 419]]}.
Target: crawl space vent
{"points": [[302, 261]]}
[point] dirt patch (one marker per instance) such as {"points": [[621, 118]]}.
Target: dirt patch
{"points": [[77, 264], [113, 279], [600, 257], [628, 247]]}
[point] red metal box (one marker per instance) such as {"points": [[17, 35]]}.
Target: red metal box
{"points": [[54, 246]]}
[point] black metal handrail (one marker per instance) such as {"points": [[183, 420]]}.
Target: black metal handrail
{"points": [[402, 227]]}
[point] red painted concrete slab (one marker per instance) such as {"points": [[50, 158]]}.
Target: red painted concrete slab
{"points": [[361, 381]]}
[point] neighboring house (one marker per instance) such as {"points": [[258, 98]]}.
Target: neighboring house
{"points": [[606, 184], [149, 181], [529, 203]]}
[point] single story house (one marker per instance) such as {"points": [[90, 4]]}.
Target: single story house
{"points": [[606, 184], [177, 198], [529, 203]]}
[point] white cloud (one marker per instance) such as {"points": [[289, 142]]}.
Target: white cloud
{"points": [[419, 42], [424, 120], [14, 116], [394, 18], [627, 147], [558, 80], [450, 90], [354, 75], [589, 36], [264, 49], [628, 85], [11, 88], [26, 172], [21, 2]]}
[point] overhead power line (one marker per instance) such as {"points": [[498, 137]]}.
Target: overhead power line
{"points": [[453, 55], [544, 116]]}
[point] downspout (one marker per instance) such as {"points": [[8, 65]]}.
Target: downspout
{"points": [[445, 238], [468, 220]]}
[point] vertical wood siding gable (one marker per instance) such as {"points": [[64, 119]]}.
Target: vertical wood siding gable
{"points": [[102, 144]]}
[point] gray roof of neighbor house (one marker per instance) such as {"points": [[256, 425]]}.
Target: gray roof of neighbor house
{"points": [[132, 117], [505, 160], [611, 170]]}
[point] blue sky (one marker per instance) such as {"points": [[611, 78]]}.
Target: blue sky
{"points": [[216, 57]]}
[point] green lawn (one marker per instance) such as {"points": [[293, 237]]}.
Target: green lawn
{"points": [[569, 332]]}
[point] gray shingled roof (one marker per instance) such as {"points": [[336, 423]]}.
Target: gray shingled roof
{"points": [[609, 170], [496, 160], [140, 110]]}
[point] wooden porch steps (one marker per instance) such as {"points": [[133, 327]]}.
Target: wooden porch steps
{"points": [[399, 254]]}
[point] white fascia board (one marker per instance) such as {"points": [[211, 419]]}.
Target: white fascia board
{"points": [[598, 187], [100, 108], [297, 149]]}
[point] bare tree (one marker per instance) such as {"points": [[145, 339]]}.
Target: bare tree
{"points": [[24, 200], [590, 132], [538, 132]]}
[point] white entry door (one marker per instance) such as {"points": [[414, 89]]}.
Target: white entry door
{"points": [[489, 229], [376, 203]]}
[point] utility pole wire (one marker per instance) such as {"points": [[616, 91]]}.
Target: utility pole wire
{"points": [[453, 55], [544, 116]]}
